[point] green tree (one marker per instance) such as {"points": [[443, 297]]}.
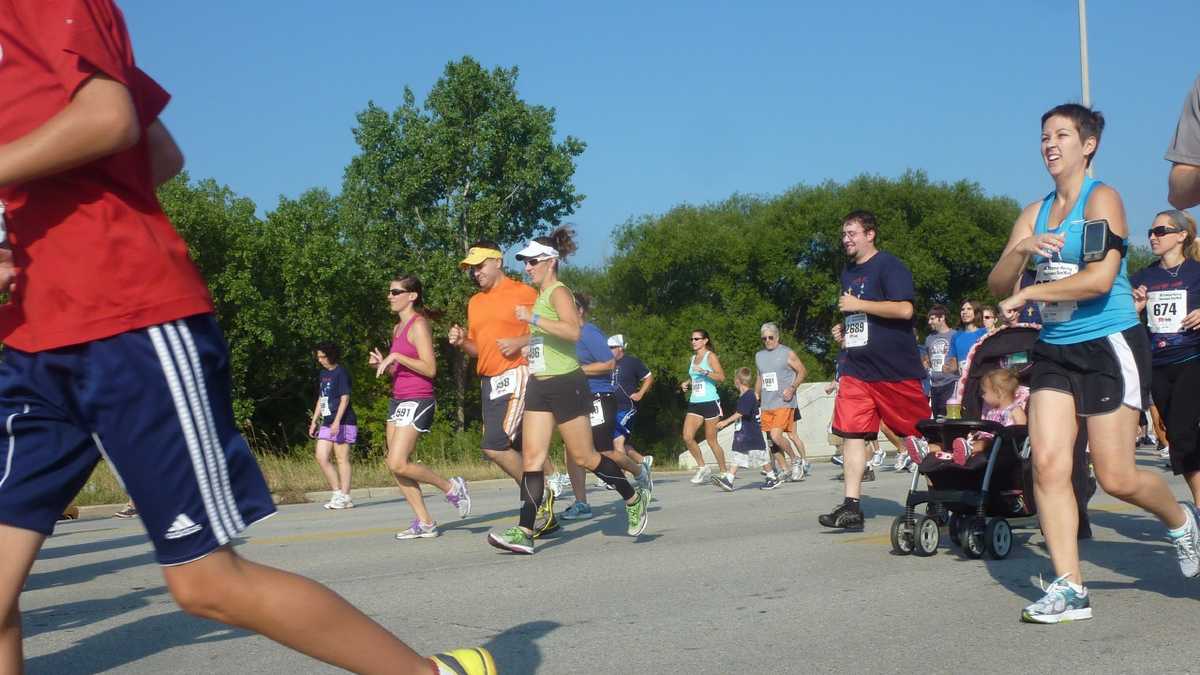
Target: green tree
{"points": [[474, 161], [731, 266]]}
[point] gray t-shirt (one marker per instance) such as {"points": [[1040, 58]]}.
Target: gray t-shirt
{"points": [[938, 346], [776, 376], [1185, 146]]}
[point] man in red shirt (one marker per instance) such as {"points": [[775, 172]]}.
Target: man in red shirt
{"points": [[111, 347]]}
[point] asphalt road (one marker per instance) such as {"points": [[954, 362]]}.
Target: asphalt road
{"points": [[720, 583]]}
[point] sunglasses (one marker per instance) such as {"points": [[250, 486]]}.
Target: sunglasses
{"points": [[695, 339], [1162, 231], [767, 338], [396, 291], [535, 263]]}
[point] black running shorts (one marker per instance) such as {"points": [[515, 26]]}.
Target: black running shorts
{"points": [[604, 419], [1102, 374], [566, 396]]}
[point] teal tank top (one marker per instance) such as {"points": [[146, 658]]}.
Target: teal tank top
{"points": [[1065, 323], [704, 388]]}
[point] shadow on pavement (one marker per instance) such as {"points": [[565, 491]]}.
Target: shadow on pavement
{"points": [[91, 546], [85, 612], [515, 650], [83, 573]]}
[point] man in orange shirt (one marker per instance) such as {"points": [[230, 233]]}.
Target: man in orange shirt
{"points": [[496, 338]]}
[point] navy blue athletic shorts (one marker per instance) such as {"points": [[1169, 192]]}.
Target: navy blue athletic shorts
{"points": [[156, 403]]}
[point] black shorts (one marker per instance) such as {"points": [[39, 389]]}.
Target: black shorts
{"points": [[708, 410], [412, 412], [1177, 395], [1102, 374], [565, 396], [939, 394], [604, 421], [502, 399]]}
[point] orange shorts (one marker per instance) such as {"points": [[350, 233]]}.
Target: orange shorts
{"points": [[783, 419]]}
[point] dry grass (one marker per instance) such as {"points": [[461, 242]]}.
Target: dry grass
{"points": [[290, 476]]}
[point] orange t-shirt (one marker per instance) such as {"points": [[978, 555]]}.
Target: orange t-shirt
{"points": [[491, 315]]}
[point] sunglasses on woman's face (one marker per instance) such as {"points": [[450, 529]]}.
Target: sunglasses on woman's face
{"points": [[396, 291], [1162, 231], [695, 339]]}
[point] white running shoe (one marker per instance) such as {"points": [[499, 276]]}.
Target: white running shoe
{"points": [[902, 461], [340, 501], [1165, 453], [1187, 543], [703, 474], [335, 499], [797, 470], [878, 457]]}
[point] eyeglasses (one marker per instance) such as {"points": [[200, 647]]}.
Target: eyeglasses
{"points": [[1162, 231], [768, 338], [396, 291]]}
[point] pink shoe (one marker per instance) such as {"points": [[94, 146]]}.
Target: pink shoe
{"points": [[962, 451], [916, 447]]}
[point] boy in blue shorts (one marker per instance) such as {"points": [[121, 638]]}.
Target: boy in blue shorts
{"points": [[111, 348]]}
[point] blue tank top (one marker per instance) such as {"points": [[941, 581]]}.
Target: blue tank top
{"points": [[1065, 323], [704, 389]]}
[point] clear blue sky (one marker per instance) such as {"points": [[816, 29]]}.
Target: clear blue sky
{"points": [[684, 102]]}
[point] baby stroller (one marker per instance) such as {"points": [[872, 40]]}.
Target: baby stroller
{"points": [[977, 500]]}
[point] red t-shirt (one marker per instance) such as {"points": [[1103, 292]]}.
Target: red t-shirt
{"points": [[96, 256]]}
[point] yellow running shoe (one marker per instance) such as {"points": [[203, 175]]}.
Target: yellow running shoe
{"points": [[473, 661]]}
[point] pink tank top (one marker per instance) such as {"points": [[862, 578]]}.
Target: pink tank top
{"points": [[407, 383]]}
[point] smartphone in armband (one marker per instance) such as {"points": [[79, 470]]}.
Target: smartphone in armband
{"points": [[1098, 240]]}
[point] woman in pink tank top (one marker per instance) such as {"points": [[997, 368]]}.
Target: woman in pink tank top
{"points": [[412, 365]]}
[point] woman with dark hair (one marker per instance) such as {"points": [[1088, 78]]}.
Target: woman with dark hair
{"points": [[968, 333], [338, 425], [1091, 361], [704, 408], [1169, 292], [557, 395], [412, 364], [990, 319]]}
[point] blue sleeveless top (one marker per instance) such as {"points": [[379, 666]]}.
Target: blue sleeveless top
{"points": [[1071, 322], [704, 388]]}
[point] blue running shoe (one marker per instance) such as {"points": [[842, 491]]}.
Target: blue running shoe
{"points": [[1061, 603], [577, 511]]}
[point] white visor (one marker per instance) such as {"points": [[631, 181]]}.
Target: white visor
{"points": [[536, 251]]}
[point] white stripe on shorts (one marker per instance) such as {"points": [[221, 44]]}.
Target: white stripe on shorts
{"points": [[12, 443], [199, 466], [214, 443], [1130, 377]]}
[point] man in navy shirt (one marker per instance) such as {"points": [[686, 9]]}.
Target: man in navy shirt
{"points": [[882, 371], [631, 381]]}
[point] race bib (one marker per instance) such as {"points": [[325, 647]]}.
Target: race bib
{"points": [[856, 330], [504, 384], [1165, 311], [1056, 312], [937, 362], [404, 414], [699, 388], [537, 355], [597, 415], [325, 411], [770, 382]]}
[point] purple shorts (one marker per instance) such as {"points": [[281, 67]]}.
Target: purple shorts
{"points": [[347, 434]]}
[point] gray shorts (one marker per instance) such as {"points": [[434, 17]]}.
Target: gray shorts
{"points": [[503, 412]]}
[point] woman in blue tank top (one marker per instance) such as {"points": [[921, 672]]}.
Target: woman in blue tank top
{"points": [[1092, 360], [704, 409]]}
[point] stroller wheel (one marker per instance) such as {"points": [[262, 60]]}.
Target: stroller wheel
{"points": [[973, 537], [998, 538], [902, 536], [926, 534]]}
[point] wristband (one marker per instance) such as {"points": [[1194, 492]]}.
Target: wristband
{"points": [[533, 319]]}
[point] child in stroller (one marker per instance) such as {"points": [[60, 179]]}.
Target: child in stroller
{"points": [[993, 482], [1004, 399]]}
